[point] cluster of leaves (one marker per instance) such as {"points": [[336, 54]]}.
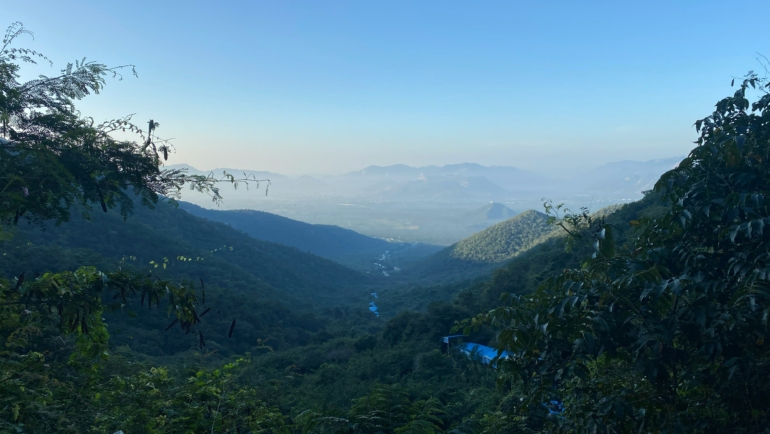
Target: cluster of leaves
{"points": [[58, 313], [386, 409], [666, 332], [210, 400]]}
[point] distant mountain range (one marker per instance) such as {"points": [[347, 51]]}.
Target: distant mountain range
{"points": [[466, 182], [626, 178], [445, 188]]}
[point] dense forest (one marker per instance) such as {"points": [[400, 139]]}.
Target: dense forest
{"points": [[119, 311]]}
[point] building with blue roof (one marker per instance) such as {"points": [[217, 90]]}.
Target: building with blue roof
{"points": [[482, 353]]}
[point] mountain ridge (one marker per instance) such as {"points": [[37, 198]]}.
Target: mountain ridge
{"points": [[341, 245], [493, 211]]}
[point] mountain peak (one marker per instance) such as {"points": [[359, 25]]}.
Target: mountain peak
{"points": [[494, 211]]}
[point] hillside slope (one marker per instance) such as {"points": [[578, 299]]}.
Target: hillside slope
{"points": [[275, 292], [549, 258], [482, 252], [170, 232], [323, 240], [545, 257], [342, 245], [504, 240]]}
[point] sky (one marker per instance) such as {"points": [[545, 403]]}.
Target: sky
{"points": [[311, 87]]}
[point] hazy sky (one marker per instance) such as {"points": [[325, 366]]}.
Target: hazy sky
{"points": [[330, 86]]}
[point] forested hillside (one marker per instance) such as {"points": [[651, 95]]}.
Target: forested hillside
{"points": [[333, 242], [521, 274], [504, 240], [275, 292], [663, 326], [334, 349], [168, 232], [400, 352], [480, 253]]}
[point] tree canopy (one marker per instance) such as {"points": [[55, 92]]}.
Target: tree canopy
{"points": [[666, 332], [52, 161]]}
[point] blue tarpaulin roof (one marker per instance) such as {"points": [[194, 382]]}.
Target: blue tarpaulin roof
{"points": [[373, 308], [484, 352]]}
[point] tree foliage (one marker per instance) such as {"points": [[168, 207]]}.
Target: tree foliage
{"points": [[53, 159], [666, 332], [386, 409], [209, 400], [55, 339]]}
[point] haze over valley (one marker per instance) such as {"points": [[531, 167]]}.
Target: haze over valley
{"points": [[437, 205]]}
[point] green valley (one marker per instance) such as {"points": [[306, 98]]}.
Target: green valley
{"points": [[124, 309]]}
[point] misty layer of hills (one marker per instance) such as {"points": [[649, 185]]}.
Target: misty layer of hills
{"points": [[624, 180], [433, 205], [485, 250]]}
